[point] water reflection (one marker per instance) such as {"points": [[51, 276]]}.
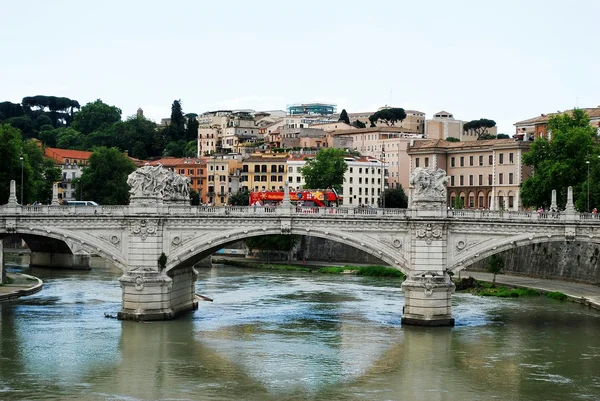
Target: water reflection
{"points": [[280, 335]]}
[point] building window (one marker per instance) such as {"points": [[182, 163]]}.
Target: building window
{"points": [[452, 181], [462, 180], [351, 180], [511, 158], [470, 160], [274, 178], [427, 162], [417, 162], [501, 158], [471, 201], [351, 169], [290, 169], [500, 178], [480, 179], [491, 160], [471, 179], [256, 168], [511, 201], [452, 162], [510, 178], [481, 202], [490, 178], [462, 161]]}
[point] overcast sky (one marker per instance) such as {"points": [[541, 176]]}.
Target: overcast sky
{"points": [[506, 61]]}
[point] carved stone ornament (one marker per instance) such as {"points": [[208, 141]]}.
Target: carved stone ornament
{"points": [[397, 243], [143, 228], [429, 184], [158, 182], [429, 233], [286, 227], [460, 245]]}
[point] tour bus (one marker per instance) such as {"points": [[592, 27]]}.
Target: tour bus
{"points": [[79, 203], [305, 197]]}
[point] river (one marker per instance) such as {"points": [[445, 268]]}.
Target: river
{"points": [[273, 335]]}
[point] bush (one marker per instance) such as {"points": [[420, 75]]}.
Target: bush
{"points": [[379, 271], [556, 295]]}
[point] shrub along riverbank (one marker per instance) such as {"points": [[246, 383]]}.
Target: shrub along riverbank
{"points": [[486, 289], [369, 271]]}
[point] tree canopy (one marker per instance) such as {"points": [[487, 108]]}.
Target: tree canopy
{"points": [[395, 198], [561, 162], [388, 116], [344, 117], [480, 127], [326, 169], [240, 198], [104, 179], [95, 116], [359, 124]]}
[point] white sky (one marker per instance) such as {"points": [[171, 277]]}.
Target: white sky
{"points": [[507, 61]]}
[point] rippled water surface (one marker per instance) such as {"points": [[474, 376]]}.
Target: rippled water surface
{"points": [[272, 335]]}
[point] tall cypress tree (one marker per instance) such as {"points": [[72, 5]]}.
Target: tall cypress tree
{"points": [[344, 117]]}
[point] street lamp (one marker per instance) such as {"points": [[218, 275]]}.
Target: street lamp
{"points": [[21, 158], [588, 183], [382, 198]]}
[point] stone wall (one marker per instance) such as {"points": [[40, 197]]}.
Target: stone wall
{"points": [[576, 261]]}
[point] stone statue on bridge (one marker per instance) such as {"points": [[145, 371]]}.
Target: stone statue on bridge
{"points": [[150, 184], [428, 188]]}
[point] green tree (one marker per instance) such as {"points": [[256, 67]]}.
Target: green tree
{"points": [[344, 117], [502, 136], [95, 116], [561, 162], [68, 138], [452, 139], [395, 198], [24, 124], [175, 131], [60, 108], [194, 198], [326, 169], [240, 198], [191, 131], [175, 149], [9, 110], [480, 127], [10, 163], [458, 203], [359, 124], [104, 179], [389, 116], [495, 265]]}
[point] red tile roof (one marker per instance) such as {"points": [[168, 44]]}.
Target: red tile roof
{"points": [[57, 154]]}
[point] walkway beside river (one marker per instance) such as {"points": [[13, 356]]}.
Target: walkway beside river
{"points": [[19, 286], [582, 293]]}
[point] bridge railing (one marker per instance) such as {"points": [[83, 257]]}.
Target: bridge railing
{"points": [[333, 212]]}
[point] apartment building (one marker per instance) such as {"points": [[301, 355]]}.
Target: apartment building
{"points": [[71, 164], [414, 121], [364, 180], [483, 174], [226, 130], [388, 144], [537, 127], [264, 172]]}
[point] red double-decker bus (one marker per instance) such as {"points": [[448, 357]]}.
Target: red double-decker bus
{"points": [[305, 197]]}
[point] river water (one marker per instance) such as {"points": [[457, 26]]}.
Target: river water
{"points": [[272, 335]]}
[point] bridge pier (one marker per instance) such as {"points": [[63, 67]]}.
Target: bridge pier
{"points": [[157, 295], [57, 260], [428, 300], [2, 271]]}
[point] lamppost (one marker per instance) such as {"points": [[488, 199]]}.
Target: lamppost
{"points": [[382, 176], [588, 183], [21, 158]]}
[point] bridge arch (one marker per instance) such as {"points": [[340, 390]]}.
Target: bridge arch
{"points": [[483, 251], [88, 243], [200, 248]]}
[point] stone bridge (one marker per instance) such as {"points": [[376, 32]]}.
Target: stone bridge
{"points": [[426, 243]]}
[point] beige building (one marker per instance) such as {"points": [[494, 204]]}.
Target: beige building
{"points": [[484, 174], [226, 130], [264, 172], [444, 126], [389, 144]]}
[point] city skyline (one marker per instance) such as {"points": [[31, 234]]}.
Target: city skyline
{"points": [[471, 59]]}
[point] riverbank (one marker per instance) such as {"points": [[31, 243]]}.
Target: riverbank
{"points": [[324, 268], [19, 285], [585, 294]]}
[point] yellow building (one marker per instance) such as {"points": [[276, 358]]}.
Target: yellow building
{"points": [[265, 172]]}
